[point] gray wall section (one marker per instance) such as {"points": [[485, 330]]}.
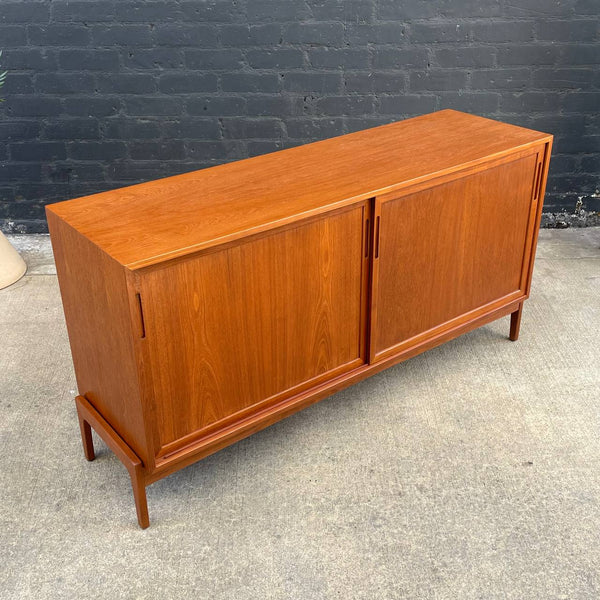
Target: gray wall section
{"points": [[102, 94]]}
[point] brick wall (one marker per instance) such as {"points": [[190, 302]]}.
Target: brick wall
{"points": [[106, 93]]}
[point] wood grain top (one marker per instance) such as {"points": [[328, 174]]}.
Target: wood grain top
{"points": [[151, 222]]}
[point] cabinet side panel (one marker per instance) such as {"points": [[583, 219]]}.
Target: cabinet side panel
{"points": [[232, 329], [95, 301], [447, 250]]}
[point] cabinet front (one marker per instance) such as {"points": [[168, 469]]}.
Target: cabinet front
{"points": [[236, 329], [451, 249]]}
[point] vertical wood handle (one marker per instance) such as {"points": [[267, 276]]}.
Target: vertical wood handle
{"points": [[377, 237], [141, 313], [537, 182]]}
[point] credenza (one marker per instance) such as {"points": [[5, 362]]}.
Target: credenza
{"points": [[203, 307]]}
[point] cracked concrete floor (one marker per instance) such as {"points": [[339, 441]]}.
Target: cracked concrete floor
{"points": [[471, 471]]}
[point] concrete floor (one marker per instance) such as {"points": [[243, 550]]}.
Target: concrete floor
{"points": [[472, 471]]}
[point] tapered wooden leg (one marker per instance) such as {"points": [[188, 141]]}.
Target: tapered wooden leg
{"points": [[89, 416], [86, 438], [139, 494], [515, 323]]}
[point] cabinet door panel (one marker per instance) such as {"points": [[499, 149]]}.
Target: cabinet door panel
{"points": [[249, 324], [449, 249]]}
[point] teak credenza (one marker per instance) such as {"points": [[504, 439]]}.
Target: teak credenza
{"points": [[203, 307]]}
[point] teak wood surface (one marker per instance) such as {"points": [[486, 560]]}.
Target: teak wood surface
{"points": [[150, 222], [478, 259], [204, 307], [236, 341]]}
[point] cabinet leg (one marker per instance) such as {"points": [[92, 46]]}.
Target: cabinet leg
{"points": [[139, 494], [86, 438], [90, 417], [515, 323]]}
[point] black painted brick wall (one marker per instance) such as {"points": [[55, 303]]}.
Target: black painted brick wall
{"points": [[106, 93]]}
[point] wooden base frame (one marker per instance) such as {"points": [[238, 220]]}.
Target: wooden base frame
{"points": [[90, 418]]}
